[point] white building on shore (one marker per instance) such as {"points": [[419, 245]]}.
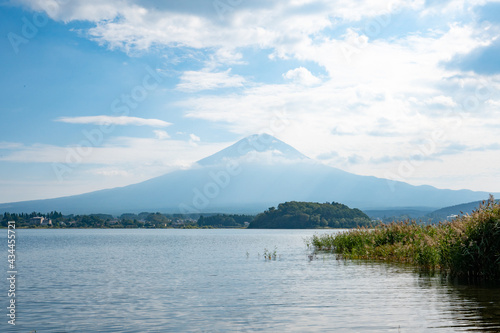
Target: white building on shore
{"points": [[40, 220]]}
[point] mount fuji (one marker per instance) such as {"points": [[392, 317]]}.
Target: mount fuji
{"points": [[250, 176]]}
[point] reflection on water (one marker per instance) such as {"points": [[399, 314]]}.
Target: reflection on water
{"points": [[474, 306], [454, 304], [218, 280]]}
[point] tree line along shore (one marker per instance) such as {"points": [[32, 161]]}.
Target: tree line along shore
{"points": [[143, 220], [288, 215]]}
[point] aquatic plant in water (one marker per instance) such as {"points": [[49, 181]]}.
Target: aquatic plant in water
{"points": [[268, 255]]}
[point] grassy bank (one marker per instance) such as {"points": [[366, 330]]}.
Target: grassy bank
{"points": [[468, 246]]}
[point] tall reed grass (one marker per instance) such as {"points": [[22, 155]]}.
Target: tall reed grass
{"points": [[468, 246]]}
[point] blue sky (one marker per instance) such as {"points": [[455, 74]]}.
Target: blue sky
{"points": [[98, 94]]}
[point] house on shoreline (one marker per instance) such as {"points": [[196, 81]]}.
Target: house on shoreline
{"points": [[40, 220]]}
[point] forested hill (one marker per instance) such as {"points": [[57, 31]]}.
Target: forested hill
{"points": [[309, 215]]}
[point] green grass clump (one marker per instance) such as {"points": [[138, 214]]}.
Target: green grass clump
{"points": [[468, 246], [268, 255]]}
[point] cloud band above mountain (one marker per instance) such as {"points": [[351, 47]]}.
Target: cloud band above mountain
{"points": [[109, 120]]}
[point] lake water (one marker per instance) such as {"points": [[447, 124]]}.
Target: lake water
{"points": [[218, 281]]}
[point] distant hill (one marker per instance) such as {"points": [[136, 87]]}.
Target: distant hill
{"points": [[447, 213], [310, 215], [398, 214], [249, 176]]}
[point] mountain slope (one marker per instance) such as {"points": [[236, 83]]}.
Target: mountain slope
{"points": [[446, 213], [250, 180]]}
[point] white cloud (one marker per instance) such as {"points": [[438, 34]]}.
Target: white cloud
{"points": [[494, 104], [194, 138], [161, 135], [445, 101], [228, 57], [90, 10], [402, 78], [110, 172], [192, 81], [110, 120], [302, 76], [10, 145], [134, 25], [117, 151]]}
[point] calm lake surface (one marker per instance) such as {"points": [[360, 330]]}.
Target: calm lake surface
{"points": [[218, 281]]}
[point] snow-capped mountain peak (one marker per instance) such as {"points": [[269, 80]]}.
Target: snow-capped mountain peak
{"points": [[263, 144]]}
